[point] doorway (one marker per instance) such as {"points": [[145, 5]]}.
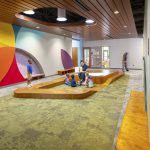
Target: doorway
{"points": [[75, 56], [87, 56], [105, 57], [97, 57]]}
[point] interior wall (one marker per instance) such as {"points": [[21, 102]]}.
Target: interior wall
{"points": [[134, 47], [45, 47], [51, 52], [147, 58], [9, 73], [22, 60]]}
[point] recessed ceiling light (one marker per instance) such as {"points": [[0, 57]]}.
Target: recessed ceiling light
{"points": [[37, 27], [64, 34], [116, 12], [89, 21], [125, 26], [61, 19], [29, 12], [61, 14], [129, 33]]}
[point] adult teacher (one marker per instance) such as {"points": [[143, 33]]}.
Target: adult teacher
{"points": [[124, 62], [82, 74]]}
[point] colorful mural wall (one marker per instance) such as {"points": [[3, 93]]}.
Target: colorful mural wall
{"points": [[66, 59], [9, 72], [52, 52]]}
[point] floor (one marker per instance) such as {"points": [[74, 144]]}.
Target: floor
{"points": [[135, 84], [9, 90], [92, 109], [133, 134]]}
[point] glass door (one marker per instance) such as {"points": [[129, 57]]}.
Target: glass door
{"points": [[86, 56], [105, 57], [97, 57]]}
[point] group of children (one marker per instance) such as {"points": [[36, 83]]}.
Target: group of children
{"points": [[88, 81]]}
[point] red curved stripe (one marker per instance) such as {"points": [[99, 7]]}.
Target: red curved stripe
{"points": [[13, 75]]}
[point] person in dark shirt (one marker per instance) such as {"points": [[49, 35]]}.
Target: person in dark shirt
{"points": [[124, 62], [82, 74], [84, 66], [73, 82]]}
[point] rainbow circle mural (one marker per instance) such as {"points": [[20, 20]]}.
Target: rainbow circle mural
{"points": [[9, 73], [12, 63]]}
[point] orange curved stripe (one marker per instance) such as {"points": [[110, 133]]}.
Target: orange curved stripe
{"points": [[7, 50], [6, 59]]}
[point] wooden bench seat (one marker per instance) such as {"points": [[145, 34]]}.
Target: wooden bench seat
{"points": [[52, 93], [45, 90], [41, 91], [62, 72], [37, 76]]}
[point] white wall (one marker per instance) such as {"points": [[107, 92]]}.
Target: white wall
{"points": [[147, 57], [45, 47], [134, 47]]}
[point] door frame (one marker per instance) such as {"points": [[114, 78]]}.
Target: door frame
{"points": [[103, 56], [89, 55]]}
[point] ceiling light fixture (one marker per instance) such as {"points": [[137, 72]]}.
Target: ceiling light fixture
{"points": [[125, 26], [116, 12], [29, 12], [89, 21], [129, 33], [37, 27], [61, 14]]}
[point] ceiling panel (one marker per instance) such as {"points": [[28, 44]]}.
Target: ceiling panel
{"points": [[138, 13], [108, 25]]}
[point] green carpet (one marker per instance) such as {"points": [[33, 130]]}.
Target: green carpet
{"points": [[88, 124]]}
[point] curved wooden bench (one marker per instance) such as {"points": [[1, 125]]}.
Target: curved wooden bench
{"points": [[62, 72], [113, 78], [53, 93], [45, 90], [41, 91]]}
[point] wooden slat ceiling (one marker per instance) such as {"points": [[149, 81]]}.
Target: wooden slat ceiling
{"points": [[108, 25]]}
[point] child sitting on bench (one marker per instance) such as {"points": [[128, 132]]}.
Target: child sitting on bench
{"points": [[67, 80], [88, 80], [73, 82], [90, 83]]}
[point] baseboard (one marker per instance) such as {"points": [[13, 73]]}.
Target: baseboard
{"points": [[115, 68], [128, 68], [135, 69], [6, 86], [50, 75]]}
